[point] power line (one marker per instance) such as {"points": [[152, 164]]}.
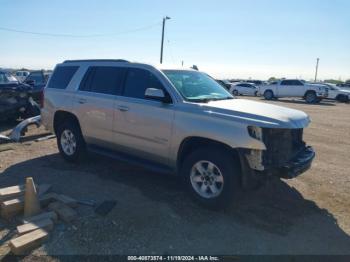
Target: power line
{"points": [[171, 51], [81, 36]]}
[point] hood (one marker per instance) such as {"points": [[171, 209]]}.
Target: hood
{"points": [[257, 113], [16, 87]]}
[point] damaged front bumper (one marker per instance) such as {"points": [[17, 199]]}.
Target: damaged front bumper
{"points": [[286, 154], [251, 161], [296, 166]]}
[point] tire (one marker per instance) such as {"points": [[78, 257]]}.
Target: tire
{"points": [[268, 95], [342, 98], [70, 141], [256, 93], [310, 97], [235, 93], [223, 169]]}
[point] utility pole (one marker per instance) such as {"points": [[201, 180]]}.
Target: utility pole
{"points": [[316, 69], [162, 44]]}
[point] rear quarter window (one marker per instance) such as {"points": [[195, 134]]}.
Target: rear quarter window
{"points": [[62, 76]]}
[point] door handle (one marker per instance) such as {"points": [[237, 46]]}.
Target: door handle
{"points": [[82, 101], [123, 108]]}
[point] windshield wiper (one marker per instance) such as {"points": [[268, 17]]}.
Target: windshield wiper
{"points": [[223, 98], [206, 100], [200, 100]]}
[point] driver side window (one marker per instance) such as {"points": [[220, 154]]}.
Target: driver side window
{"points": [[138, 80]]}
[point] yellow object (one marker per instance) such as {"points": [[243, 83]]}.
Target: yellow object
{"points": [[31, 201]]}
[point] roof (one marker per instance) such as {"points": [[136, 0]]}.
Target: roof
{"points": [[96, 60]]}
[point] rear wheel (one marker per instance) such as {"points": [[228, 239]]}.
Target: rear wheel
{"points": [[268, 95], [310, 97], [211, 176], [235, 93], [70, 141]]}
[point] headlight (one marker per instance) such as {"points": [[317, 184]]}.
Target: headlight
{"points": [[255, 132]]}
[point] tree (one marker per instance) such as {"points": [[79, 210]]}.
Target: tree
{"points": [[333, 81], [271, 79]]}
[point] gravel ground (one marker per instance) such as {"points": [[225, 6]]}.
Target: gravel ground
{"points": [[154, 215]]}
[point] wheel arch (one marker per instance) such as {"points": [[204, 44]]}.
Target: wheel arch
{"points": [[189, 144], [62, 116], [309, 91]]}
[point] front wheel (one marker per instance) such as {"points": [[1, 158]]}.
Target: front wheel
{"points": [[342, 98], [70, 141], [268, 95], [311, 97], [235, 93], [212, 177]]}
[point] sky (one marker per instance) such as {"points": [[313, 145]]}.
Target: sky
{"points": [[254, 39]]}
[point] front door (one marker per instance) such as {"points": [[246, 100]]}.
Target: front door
{"points": [[142, 126]]}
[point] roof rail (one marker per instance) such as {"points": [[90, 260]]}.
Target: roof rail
{"points": [[97, 60]]}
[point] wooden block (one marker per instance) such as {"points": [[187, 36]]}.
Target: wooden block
{"points": [[11, 192], [64, 212], [13, 207], [10, 208], [46, 224], [24, 244], [46, 215], [67, 200]]}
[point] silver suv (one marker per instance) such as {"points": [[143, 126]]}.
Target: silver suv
{"points": [[173, 120]]}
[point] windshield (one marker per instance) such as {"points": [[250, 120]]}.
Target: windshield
{"points": [[6, 78], [196, 86]]}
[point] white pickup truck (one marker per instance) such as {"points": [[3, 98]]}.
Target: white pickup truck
{"points": [[312, 93]]}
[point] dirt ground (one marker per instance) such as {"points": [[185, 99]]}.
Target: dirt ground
{"points": [[154, 215]]}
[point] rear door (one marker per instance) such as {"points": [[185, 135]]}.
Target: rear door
{"points": [[95, 101], [143, 127], [284, 89], [289, 88], [249, 89]]}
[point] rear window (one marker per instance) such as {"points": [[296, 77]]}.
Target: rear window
{"points": [[62, 76], [36, 77], [103, 79]]}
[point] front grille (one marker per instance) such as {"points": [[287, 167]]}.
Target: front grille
{"points": [[281, 145]]}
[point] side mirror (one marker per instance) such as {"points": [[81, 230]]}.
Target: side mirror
{"points": [[157, 94]]}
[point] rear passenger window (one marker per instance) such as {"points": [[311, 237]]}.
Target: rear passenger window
{"points": [[286, 83], [102, 79], [62, 76], [138, 80]]}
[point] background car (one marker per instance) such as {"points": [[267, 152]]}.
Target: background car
{"points": [[244, 89], [15, 99], [312, 93], [338, 93], [224, 83], [22, 75], [38, 80]]}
